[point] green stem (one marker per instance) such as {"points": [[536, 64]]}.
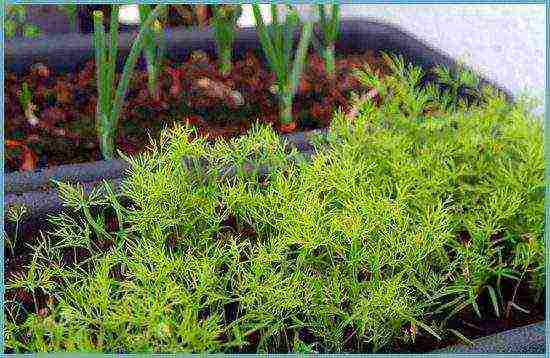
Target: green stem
{"points": [[113, 51], [15, 238], [100, 57], [330, 27], [300, 58], [224, 34], [330, 66], [100, 231], [105, 79], [131, 61], [107, 133], [225, 60], [110, 121], [150, 52], [35, 301], [161, 45], [285, 107], [267, 44], [277, 45]]}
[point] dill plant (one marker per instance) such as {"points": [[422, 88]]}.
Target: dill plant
{"points": [[15, 215], [360, 247]]}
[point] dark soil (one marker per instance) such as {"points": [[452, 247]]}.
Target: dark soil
{"points": [[191, 91]]}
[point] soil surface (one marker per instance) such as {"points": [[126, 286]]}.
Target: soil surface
{"points": [[60, 127]]}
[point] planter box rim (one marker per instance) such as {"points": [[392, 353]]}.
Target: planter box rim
{"points": [[529, 339]]}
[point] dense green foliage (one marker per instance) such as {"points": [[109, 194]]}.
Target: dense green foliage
{"points": [[368, 237]]}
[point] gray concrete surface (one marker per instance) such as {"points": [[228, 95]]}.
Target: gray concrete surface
{"points": [[504, 42]]}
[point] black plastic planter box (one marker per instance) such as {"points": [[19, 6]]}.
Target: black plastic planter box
{"points": [[66, 52]]}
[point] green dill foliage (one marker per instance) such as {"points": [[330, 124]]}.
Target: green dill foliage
{"points": [[277, 43], [15, 215], [461, 83], [224, 22], [406, 216], [416, 92]]}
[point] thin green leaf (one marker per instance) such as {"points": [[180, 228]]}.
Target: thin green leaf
{"points": [[461, 337], [300, 58], [494, 300], [428, 329], [519, 308], [113, 49], [475, 306], [131, 61], [335, 26], [266, 42]]}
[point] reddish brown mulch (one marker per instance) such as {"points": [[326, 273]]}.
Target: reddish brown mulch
{"points": [[191, 91]]}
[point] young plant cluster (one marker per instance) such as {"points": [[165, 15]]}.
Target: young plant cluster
{"points": [[153, 49], [408, 214], [224, 23], [330, 25]]}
